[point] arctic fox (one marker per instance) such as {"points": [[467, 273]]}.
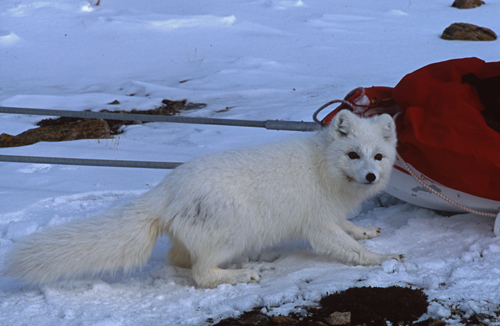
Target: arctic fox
{"points": [[222, 205]]}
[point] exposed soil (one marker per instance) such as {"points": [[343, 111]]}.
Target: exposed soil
{"points": [[64, 129], [168, 107], [356, 306], [88, 129]]}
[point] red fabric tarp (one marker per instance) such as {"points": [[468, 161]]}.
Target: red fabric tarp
{"points": [[441, 130]]}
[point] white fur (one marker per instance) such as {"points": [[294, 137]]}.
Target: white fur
{"points": [[219, 206]]}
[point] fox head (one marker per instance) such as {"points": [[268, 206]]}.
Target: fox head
{"points": [[362, 150]]}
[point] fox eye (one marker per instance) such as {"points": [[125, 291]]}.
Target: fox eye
{"points": [[353, 155], [378, 157]]}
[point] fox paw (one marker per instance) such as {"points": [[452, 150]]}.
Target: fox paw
{"points": [[399, 258], [214, 277], [365, 233], [246, 276], [377, 259], [372, 232]]}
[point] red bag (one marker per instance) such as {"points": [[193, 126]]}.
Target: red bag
{"points": [[441, 130]]}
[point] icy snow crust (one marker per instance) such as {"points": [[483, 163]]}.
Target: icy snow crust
{"points": [[262, 59]]}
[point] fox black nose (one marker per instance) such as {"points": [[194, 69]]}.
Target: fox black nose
{"points": [[370, 177]]}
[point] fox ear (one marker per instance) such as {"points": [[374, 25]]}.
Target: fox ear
{"points": [[388, 128], [342, 125]]}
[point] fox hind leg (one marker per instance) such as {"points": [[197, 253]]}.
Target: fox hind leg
{"points": [[211, 277], [179, 255], [206, 271]]}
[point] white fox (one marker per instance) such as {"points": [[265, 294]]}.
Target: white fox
{"points": [[222, 205]]}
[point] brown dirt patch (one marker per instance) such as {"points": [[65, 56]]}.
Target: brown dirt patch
{"points": [[355, 306], [168, 107], [63, 128]]}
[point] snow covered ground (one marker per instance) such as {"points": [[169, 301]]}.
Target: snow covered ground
{"points": [[262, 59]]}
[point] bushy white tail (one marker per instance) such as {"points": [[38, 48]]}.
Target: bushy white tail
{"points": [[120, 239]]}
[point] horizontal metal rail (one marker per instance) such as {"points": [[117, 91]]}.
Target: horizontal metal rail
{"points": [[89, 162], [269, 124]]}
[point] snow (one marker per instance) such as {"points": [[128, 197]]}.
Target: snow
{"points": [[262, 59]]}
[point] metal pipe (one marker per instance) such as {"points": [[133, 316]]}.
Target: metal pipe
{"points": [[90, 162], [269, 124]]}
